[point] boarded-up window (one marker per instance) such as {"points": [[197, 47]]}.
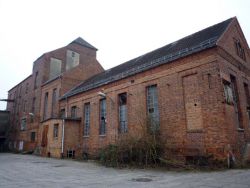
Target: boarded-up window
{"points": [[72, 59], [192, 102], [152, 107], [55, 67]]}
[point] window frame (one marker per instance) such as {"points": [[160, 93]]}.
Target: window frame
{"points": [[23, 124], [73, 111], [53, 103], [239, 49], [86, 126], [152, 107], [55, 73], [228, 92], [33, 136], [45, 105], [102, 116], [123, 113], [71, 59], [56, 130]]}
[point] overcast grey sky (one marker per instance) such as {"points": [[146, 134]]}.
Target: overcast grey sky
{"points": [[121, 30]]}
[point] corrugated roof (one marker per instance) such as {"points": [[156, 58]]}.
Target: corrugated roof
{"points": [[196, 42], [83, 42]]}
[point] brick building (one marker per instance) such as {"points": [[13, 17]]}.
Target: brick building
{"points": [[195, 91]]}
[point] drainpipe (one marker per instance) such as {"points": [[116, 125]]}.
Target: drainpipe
{"points": [[63, 125], [63, 121]]}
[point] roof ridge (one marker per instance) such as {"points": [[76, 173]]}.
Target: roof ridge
{"points": [[82, 42], [193, 43]]}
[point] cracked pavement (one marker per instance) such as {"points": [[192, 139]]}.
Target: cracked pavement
{"points": [[32, 171]]}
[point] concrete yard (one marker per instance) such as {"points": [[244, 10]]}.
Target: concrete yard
{"points": [[32, 171]]}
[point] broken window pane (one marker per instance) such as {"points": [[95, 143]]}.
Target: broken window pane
{"points": [[72, 59], [123, 122], [152, 107], [228, 92], [102, 129]]}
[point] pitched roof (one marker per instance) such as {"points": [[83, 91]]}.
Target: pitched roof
{"points": [[196, 42], [83, 42]]}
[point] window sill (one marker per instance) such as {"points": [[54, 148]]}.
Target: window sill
{"points": [[240, 130], [86, 136], [102, 135]]}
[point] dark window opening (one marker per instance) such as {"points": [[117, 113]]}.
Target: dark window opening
{"points": [[71, 154], [123, 122], [33, 136]]}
